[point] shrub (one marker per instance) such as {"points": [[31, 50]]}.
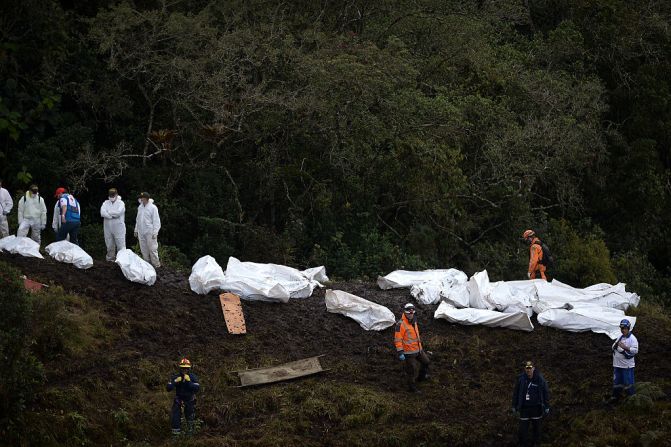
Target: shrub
{"points": [[92, 240], [635, 269], [580, 259], [22, 373]]}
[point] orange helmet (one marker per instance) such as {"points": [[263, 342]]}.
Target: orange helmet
{"points": [[184, 363], [528, 233]]}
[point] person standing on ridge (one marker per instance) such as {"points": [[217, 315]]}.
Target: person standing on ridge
{"points": [[537, 261], [32, 214], [531, 401], [113, 212], [409, 348], [185, 383], [624, 350], [70, 212], [147, 226], [6, 205]]}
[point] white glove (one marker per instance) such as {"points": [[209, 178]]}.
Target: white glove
{"points": [[528, 275]]}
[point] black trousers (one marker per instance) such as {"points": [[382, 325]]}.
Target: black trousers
{"points": [[176, 413], [416, 367], [530, 416]]}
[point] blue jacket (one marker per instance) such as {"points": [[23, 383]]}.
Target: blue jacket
{"points": [[536, 387], [185, 391]]}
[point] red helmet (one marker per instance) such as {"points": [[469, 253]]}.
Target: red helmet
{"points": [[528, 234], [184, 363]]}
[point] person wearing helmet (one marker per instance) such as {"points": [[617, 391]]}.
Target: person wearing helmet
{"points": [[32, 215], [409, 348], [624, 350], [536, 261], [185, 383], [531, 401]]}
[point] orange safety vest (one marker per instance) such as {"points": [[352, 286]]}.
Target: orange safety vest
{"points": [[535, 258], [406, 337]]}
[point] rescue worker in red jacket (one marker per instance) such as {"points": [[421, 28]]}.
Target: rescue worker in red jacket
{"points": [[535, 255], [409, 348]]}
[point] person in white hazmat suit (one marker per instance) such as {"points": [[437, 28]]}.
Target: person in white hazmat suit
{"points": [[56, 220], [6, 205], [147, 226], [113, 212], [32, 215]]}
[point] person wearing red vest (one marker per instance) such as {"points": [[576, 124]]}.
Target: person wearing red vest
{"points": [[535, 255], [409, 348]]}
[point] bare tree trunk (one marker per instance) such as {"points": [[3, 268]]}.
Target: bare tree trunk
{"points": [[150, 125]]}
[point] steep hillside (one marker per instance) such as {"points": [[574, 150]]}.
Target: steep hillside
{"points": [[114, 394]]}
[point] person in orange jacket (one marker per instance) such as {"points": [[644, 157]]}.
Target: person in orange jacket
{"points": [[536, 263], [409, 348]]}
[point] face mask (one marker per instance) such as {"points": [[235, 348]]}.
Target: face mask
{"points": [[113, 199]]}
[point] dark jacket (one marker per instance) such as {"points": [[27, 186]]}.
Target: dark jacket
{"points": [[536, 387], [184, 390]]}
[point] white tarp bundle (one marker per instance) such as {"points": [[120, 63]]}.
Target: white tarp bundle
{"points": [[517, 320], [7, 242], [428, 286], [479, 288], [427, 293], [555, 294], [586, 317], [135, 268], [270, 282], [206, 275], [369, 315], [478, 301], [399, 279], [23, 246], [65, 251], [316, 274], [458, 296]]}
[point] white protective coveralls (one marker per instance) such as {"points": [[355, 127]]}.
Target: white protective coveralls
{"points": [[56, 220], [6, 204], [147, 226], [113, 212], [32, 216]]}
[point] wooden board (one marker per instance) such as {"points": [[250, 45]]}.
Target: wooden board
{"points": [[235, 320], [32, 286], [287, 371]]}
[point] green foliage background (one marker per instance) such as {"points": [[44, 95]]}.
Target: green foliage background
{"points": [[364, 135]]}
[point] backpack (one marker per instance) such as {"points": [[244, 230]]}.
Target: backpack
{"points": [[548, 260]]}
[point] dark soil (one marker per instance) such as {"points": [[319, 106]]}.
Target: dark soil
{"points": [[473, 368]]}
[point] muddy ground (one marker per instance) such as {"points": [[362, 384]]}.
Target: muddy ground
{"points": [[473, 368]]}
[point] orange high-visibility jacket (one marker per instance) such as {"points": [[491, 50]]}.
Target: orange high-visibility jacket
{"points": [[535, 256], [406, 337]]}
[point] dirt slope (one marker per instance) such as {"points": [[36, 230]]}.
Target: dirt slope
{"points": [[473, 368]]}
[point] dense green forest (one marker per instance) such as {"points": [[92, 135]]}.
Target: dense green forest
{"points": [[365, 136]]}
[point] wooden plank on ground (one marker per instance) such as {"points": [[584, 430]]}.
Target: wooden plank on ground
{"points": [[287, 371], [32, 286], [235, 320]]}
